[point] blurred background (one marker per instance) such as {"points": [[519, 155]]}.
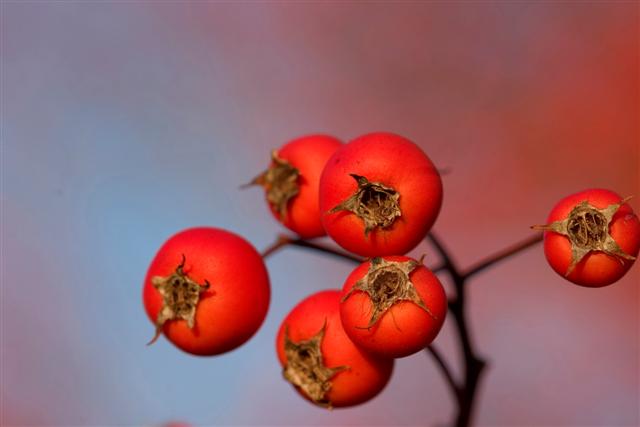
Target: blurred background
{"points": [[125, 122]]}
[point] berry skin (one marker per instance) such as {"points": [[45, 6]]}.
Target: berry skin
{"points": [[207, 290], [321, 361], [379, 195], [392, 306], [591, 238], [292, 180]]}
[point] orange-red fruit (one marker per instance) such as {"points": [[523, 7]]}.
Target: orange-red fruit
{"points": [[365, 375], [395, 162], [308, 154], [597, 268], [404, 328], [234, 306]]}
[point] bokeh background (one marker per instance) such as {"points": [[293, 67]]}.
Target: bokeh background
{"points": [[124, 122]]}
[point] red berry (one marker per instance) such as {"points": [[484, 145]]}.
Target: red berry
{"points": [[379, 195], [291, 182], [207, 289], [592, 237], [392, 306], [320, 360]]}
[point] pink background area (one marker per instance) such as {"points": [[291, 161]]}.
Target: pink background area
{"points": [[124, 122]]}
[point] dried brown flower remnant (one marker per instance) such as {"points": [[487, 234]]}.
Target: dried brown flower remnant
{"points": [[180, 297], [305, 367], [587, 228], [386, 283], [376, 204], [280, 182]]}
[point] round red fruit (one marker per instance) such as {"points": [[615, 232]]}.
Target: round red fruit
{"points": [[207, 290], [392, 306], [592, 237], [320, 360], [379, 195], [291, 182]]}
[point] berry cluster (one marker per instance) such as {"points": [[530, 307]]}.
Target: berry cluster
{"points": [[376, 197], [207, 290]]}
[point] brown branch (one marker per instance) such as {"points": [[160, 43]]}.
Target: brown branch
{"points": [[441, 362], [464, 392], [473, 365], [284, 240], [280, 242], [501, 255], [447, 261], [327, 249]]}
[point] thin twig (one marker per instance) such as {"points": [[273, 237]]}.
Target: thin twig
{"points": [[441, 362], [501, 255], [284, 240], [326, 249], [473, 365], [438, 268], [280, 242], [447, 261]]}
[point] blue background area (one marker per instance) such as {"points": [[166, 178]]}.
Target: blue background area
{"points": [[124, 122]]}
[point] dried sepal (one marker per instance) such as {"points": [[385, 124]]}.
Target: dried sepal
{"points": [[587, 228], [305, 367], [376, 204], [280, 182], [180, 297], [386, 283]]}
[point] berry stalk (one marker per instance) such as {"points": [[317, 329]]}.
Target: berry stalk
{"points": [[464, 391]]}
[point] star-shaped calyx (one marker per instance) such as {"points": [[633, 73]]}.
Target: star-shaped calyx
{"points": [[280, 182], [376, 204], [386, 283], [587, 228], [305, 367], [180, 296]]}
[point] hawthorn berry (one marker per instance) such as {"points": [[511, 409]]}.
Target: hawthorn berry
{"points": [[320, 360], [392, 306], [291, 182], [379, 195], [207, 290], [592, 237]]}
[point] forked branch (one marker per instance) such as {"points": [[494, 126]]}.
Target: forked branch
{"points": [[464, 392]]}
